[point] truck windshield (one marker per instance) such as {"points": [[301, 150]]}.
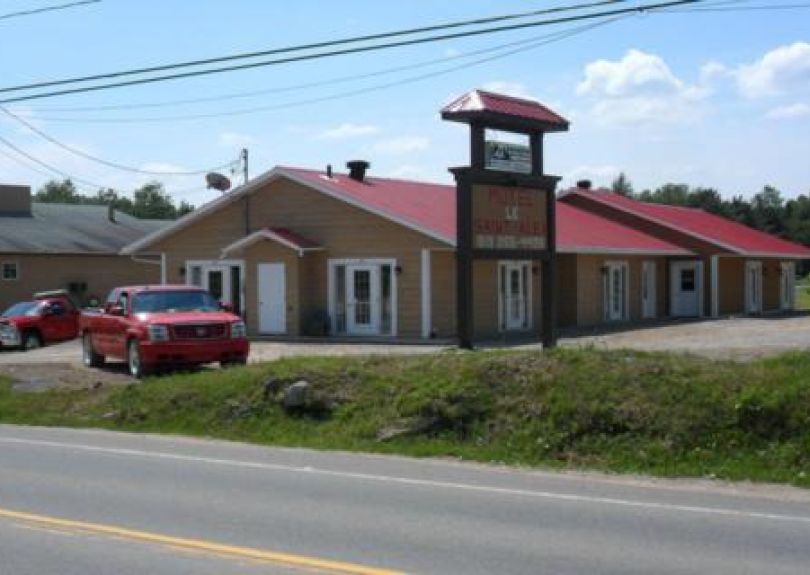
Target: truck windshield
{"points": [[173, 301], [24, 308]]}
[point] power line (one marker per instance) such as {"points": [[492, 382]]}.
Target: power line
{"points": [[524, 46], [102, 161], [355, 50], [47, 9], [47, 166], [796, 6], [289, 88], [312, 46]]}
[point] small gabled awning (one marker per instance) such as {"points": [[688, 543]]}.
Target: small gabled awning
{"points": [[283, 236]]}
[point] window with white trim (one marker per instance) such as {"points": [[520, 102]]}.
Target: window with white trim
{"points": [[9, 271]]}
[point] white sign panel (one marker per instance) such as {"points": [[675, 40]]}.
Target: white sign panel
{"points": [[508, 157]]}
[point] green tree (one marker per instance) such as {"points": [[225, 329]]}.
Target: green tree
{"points": [[54, 192], [151, 202], [707, 199], [768, 210], [622, 186]]}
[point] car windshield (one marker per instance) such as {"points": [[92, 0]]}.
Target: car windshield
{"points": [[173, 301], [24, 308]]}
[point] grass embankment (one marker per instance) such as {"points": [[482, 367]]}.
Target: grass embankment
{"points": [[620, 411]]}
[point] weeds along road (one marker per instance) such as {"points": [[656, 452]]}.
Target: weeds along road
{"points": [[94, 502]]}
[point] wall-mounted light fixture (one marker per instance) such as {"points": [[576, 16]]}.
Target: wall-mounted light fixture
{"points": [[398, 270]]}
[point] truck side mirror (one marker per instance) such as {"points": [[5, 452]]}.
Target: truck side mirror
{"points": [[117, 310], [226, 307]]}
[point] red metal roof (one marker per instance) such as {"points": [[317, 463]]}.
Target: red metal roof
{"points": [[723, 232], [294, 239], [432, 208], [480, 101]]}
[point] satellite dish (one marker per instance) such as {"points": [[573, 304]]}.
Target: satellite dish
{"points": [[217, 181]]}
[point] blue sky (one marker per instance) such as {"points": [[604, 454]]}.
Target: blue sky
{"points": [[712, 99]]}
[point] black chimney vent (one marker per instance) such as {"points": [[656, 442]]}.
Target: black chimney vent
{"points": [[329, 171], [357, 169], [584, 184]]}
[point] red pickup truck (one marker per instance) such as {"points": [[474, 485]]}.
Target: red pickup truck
{"points": [[48, 317], [149, 326]]}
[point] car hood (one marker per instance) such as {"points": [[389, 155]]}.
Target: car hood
{"points": [[187, 317]]}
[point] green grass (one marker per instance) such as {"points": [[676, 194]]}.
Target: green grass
{"points": [[620, 411]]}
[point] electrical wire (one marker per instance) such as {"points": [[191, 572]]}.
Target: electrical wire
{"points": [[312, 46], [535, 43], [289, 88], [46, 9], [47, 166], [355, 50], [104, 162]]}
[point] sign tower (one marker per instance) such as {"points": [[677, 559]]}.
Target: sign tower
{"points": [[505, 204]]}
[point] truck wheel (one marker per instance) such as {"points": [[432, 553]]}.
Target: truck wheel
{"points": [[136, 367], [31, 340], [89, 356]]}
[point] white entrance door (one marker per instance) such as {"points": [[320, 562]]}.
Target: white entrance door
{"points": [[272, 298], [616, 292], [753, 287], [363, 299], [686, 288], [515, 295], [787, 289], [222, 279], [648, 291]]}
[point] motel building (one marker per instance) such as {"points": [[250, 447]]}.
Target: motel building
{"points": [[314, 252]]}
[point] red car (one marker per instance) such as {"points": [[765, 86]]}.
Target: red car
{"points": [[48, 318], [150, 326]]}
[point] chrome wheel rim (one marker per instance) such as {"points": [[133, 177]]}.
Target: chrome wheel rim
{"points": [[32, 342], [134, 360]]}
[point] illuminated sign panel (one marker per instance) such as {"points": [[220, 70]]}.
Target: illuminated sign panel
{"points": [[507, 218]]}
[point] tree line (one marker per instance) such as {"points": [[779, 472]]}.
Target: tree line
{"points": [[150, 201], [767, 211]]}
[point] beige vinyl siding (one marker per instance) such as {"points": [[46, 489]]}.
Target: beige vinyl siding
{"points": [[590, 288], [51, 271], [567, 281], [346, 232], [443, 293], [731, 276]]}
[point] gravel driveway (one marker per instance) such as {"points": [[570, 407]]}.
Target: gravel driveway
{"points": [[741, 339]]}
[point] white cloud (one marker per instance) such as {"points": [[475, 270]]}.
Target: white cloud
{"points": [[776, 72], [402, 145], [235, 140], [636, 73], [348, 130], [452, 52], [641, 88], [789, 112], [509, 88]]}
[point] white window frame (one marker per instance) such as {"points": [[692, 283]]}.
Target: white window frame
{"points": [[652, 290], [332, 263], [606, 288], [790, 289], [529, 299], [16, 265], [220, 263], [749, 266]]}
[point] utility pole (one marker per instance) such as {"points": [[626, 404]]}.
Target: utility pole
{"points": [[244, 157]]}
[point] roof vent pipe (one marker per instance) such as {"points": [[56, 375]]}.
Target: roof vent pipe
{"points": [[111, 213], [357, 169], [584, 184], [329, 171]]}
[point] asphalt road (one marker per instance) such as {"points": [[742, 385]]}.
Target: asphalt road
{"points": [[94, 502]]}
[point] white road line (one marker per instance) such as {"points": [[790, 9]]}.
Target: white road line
{"points": [[805, 520]]}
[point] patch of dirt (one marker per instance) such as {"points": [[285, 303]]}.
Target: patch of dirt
{"points": [[37, 378]]}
